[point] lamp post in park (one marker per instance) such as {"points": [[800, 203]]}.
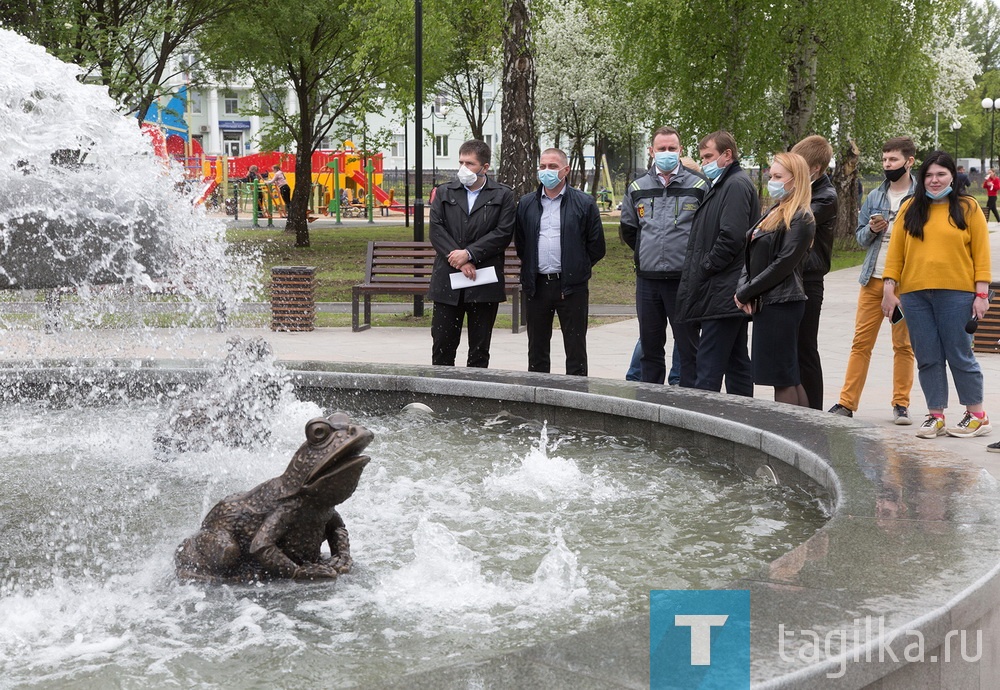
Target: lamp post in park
{"points": [[955, 126], [991, 105], [418, 111], [434, 147]]}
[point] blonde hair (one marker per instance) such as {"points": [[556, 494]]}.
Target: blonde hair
{"points": [[780, 217]]}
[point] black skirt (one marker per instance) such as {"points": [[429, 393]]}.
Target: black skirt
{"points": [[775, 356]]}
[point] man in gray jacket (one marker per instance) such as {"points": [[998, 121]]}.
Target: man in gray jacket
{"points": [[657, 212], [713, 266]]}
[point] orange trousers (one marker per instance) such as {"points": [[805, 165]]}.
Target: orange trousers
{"points": [[867, 322]]}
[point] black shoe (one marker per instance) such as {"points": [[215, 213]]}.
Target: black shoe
{"points": [[841, 410], [993, 447]]}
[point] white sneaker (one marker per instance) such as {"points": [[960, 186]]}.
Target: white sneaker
{"points": [[932, 427], [971, 425]]}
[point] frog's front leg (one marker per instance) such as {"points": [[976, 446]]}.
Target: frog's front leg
{"points": [[264, 548], [340, 544]]}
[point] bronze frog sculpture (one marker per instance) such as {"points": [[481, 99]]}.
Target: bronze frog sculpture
{"points": [[276, 529]]}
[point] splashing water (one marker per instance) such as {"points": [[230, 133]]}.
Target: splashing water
{"points": [[448, 565], [84, 201]]}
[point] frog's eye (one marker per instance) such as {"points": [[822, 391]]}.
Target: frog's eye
{"points": [[317, 431]]}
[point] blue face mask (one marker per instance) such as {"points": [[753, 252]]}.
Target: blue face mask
{"points": [[549, 178], [666, 160], [776, 190], [712, 170], [940, 195]]}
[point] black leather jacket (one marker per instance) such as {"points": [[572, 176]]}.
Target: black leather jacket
{"points": [[824, 207], [581, 238], [772, 270]]}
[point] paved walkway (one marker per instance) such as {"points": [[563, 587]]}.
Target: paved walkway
{"points": [[609, 346]]}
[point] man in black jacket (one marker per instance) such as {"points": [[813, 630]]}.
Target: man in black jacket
{"points": [[471, 225], [559, 237], [712, 268], [817, 152]]}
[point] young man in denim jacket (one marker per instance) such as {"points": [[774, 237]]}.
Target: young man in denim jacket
{"points": [[874, 227]]}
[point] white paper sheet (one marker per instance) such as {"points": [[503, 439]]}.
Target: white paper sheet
{"points": [[484, 276]]}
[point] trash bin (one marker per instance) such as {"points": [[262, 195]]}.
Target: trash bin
{"points": [[293, 298]]}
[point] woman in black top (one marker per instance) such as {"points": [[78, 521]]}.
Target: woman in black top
{"points": [[770, 287]]}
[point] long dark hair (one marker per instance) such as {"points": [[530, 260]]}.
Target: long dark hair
{"points": [[920, 204]]}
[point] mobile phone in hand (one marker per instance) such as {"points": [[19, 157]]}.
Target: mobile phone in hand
{"points": [[897, 315]]}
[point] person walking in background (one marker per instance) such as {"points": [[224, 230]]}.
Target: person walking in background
{"points": [[817, 152], [873, 233], [284, 189], [938, 273], [471, 225], [254, 176], [559, 237], [770, 286], [712, 267], [656, 218], [962, 181], [992, 185]]}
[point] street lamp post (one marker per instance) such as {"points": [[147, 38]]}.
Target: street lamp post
{"points": [[991, 105], [955, 126], [418, 111], [435, 116]]}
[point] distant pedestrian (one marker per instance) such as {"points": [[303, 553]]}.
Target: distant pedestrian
{"points": [[992, 185], [284, 189], [962, 181]]}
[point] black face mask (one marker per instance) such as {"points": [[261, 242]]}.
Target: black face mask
{"points": [[893, 175]]}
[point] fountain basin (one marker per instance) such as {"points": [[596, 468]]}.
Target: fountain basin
{"points": [[910, 545]]}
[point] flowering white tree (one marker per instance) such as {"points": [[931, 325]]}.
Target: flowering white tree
{"points": [[581, 82]]}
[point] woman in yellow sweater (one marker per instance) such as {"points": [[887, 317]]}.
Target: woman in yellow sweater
{"points": [[940, 268]]}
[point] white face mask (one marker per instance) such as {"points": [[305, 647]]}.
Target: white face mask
{"points": [[466, 176]]}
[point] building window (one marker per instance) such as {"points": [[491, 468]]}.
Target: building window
{"points": [[194, 102], [441, 146], [270, 103], [397, 150], [488, 139], [231, 104]]}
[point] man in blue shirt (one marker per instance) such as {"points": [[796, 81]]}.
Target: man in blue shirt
{"points": [[559, 237]]}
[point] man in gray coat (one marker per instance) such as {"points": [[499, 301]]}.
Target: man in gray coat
{"points": [[471, 225], [712, 268]]}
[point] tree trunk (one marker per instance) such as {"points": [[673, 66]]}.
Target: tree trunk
{"points": [[801, 88], [298, 210], [845, 181], [598, 161], [517, 114]]}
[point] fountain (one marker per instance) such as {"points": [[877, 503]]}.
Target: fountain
{"points": [[92, 517]]}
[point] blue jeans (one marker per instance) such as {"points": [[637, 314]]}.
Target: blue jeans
{"points": [[936, 321], [634, 367]]}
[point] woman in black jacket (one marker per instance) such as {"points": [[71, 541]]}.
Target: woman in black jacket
{"points": [[770, 287]]}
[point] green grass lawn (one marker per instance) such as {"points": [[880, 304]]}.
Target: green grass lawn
{"points": [[339, 257]]}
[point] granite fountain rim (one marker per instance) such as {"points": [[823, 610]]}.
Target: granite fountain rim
{"points": [[844, 456]]}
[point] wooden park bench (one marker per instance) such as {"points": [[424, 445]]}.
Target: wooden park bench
{"points": [[404, 268]]}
